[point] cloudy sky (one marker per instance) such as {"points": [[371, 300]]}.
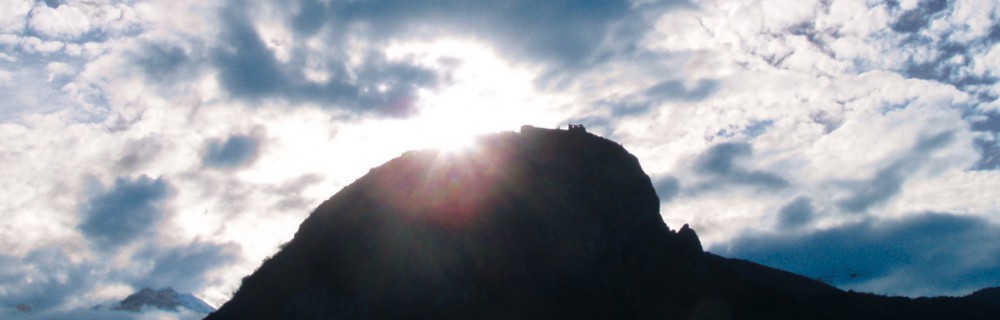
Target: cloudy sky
{"points": [[179, 142]]}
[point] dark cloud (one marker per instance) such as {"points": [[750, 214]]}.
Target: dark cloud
{"points": [[164, 62], [758, 127], [234, 152], [944, 68], [933, 143], [797, 213], [828, 122], [47, 280], [990, 159], [988, 122], [110, 314], [807, 29], [667, 188], [885, 184], [565, 36], [910, 255], [643, 101], [677, 90], [994, 35], [248, 70], [989, 146], [719, 159], [888, 182], [722, 163], [50, 282], [751, 130], [552, 31], [626, 107], [44, 278], [128, 210], [184, 267], [291, 193], [138, 153]]}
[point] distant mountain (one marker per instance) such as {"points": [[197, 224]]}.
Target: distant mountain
{"points": [[541, 224], [164, 299], [777, 279]]}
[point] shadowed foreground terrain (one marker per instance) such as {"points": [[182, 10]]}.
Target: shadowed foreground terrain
{"points": [[539, 224]]}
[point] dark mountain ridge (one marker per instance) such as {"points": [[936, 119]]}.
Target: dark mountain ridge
{"points": [[538, 224]]}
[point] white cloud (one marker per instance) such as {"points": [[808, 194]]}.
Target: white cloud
{"points": [[114, 19], [13, 15], [58, 70], [908, 4], [853, 18], [820, 91], [178, 20], [969, 20], [63, 22], [831, 83], [938, 194], [37, 45], [42, 195]]}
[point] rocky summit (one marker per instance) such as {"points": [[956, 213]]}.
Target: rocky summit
{"points": [[540, 224], [163, 299]]}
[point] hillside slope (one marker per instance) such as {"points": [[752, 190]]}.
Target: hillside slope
{"points": [[537, 224]]}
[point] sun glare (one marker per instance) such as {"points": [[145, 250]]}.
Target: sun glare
{"points": [[484, 94], [442, 133]]}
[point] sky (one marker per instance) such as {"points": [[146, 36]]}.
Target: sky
{"points": [[180, 142]]}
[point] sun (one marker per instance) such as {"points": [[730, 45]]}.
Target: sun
{"points": [[484, 94], [445, 135]]}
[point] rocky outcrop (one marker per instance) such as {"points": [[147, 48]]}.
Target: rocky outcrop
{"points": [[543, 223], [539, 224]]}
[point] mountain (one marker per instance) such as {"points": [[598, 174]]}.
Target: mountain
{"points": [[988, 295], [537, 224], [164, 299]]}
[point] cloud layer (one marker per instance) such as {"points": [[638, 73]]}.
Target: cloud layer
{"points": [[180, 142], [929, 253]]}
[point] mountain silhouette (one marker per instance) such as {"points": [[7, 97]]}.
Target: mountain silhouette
{"points": [[163, 299], [988, 295], [540, 224]]}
